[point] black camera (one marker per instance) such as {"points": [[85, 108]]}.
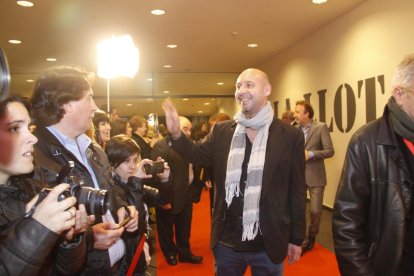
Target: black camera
{"points": [[155, 168], [96, 201]]}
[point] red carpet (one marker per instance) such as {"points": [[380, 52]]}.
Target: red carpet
{"points": [[319, 261]]}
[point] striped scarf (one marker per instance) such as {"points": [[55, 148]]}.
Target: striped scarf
{"points": [[261, 123]]}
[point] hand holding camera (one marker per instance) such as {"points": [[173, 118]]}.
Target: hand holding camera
{"points": [[58, 216], [82, 222], [148, 168]]}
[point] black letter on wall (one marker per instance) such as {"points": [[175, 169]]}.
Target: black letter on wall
{"points": [[370, 97], [275, 107], [322, 109], [351, 108]]}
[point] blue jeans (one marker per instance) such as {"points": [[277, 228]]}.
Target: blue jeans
{"points": [[229, 262]]}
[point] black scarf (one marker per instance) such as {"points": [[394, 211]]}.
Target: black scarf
{"points": [[402, 124]]}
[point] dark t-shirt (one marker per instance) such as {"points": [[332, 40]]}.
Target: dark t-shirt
{"points": [[233, 224]]}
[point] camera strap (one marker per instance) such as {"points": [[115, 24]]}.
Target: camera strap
{"points": [[42, 196]]}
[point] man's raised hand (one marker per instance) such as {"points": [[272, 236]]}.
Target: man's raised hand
{"points": [[171, 118]]}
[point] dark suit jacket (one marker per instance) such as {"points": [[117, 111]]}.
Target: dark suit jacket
{"points": [[179, 174], [319, 142], [283, 196]]}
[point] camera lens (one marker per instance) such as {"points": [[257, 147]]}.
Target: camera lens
{"points": [[96, 201]]}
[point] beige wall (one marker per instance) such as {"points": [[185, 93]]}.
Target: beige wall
{"points": [[367, 42]]}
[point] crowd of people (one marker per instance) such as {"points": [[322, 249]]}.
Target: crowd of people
{"points": [[75, 192]]}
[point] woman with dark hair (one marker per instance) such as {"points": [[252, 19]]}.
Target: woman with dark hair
{"points": [[129, 174], [33, 240], [102, 128]]}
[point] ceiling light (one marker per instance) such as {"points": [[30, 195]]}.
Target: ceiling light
{"points": [[319, 1], [185, 99], [200, 111], [149, 79], [220, 83], [14, 41], [206, 103], [252, 45], [51, 59], [26, 4], [172, 46], [129, 104], [29, 80], [167, 66], [166, 92], [158, 12], [118, 56]]}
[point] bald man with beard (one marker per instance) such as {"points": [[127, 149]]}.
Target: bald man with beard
{"points": [[259, 171]]}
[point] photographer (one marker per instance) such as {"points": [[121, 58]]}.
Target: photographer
{"points": [[37, 237], [63, 109], [129, 174]]}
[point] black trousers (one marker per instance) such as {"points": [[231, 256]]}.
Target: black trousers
{"points": [[175, 227]]}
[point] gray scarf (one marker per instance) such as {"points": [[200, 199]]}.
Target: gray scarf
{"points": [[401, 122], [260, 122]]}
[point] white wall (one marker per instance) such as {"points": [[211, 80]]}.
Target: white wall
{"points": [[367, 42]]}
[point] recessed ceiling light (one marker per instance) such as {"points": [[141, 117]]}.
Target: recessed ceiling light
{"points": [[185, 99], [129, 104], [26, 4], [172, 46], [29, 80], [51, 59], [158, 12], [220, 83], [252, 45], [149, 79], [200, 111], [14, 41], [206, 103], [166, 92], [167, 66], [319, 1]]}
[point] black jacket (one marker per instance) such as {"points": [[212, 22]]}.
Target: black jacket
{"points": [[372, 203], [283, 196], [136, 193], [29, 248], [50, 156]]}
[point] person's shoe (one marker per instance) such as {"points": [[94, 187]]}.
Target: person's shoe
{"points": [[190, 259], [172, 260]]}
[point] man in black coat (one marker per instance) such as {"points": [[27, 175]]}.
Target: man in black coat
{"points": [[180, 216], [259, 170], [373, 225]]}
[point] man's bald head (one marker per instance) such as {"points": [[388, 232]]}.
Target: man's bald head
{"points": [[256, 73], [185, 126]]}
